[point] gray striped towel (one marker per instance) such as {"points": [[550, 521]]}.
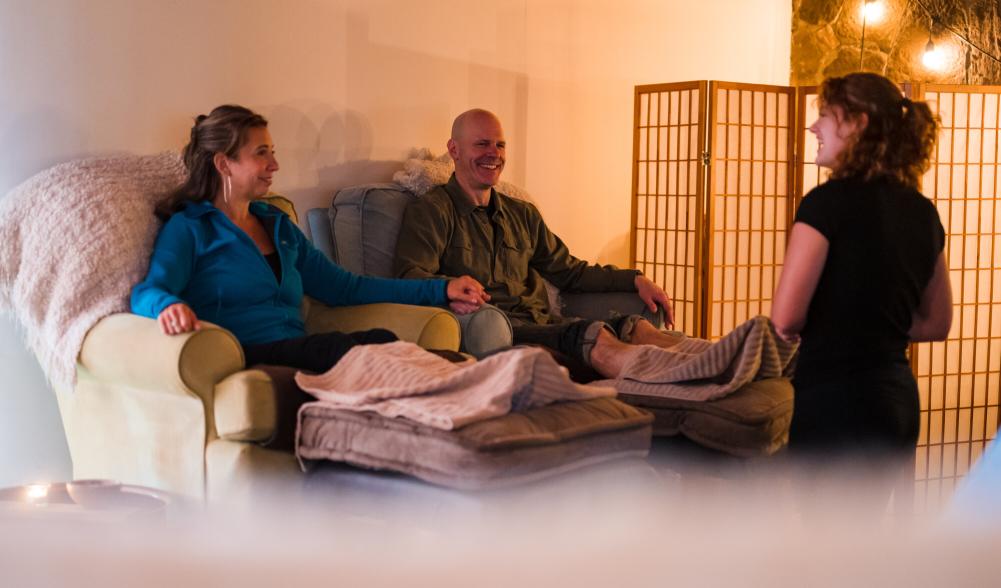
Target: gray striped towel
{"points": [[400, 379], [696, 369]]}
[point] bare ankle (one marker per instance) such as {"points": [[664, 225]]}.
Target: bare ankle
{"points": [[609, 355], [605, 357]]}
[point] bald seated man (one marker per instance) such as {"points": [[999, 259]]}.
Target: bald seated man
{"points": [[467, 227]]}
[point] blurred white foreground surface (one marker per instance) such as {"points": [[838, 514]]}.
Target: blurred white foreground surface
{"points": [[632, 523]]}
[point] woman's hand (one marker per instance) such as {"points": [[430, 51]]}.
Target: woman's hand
{"points": [[465, 295], [178, 318]]}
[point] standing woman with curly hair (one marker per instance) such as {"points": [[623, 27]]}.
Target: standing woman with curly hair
{"points": [[864, 275]]}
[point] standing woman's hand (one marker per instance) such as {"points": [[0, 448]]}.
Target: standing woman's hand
{"points": [[178, 318]]}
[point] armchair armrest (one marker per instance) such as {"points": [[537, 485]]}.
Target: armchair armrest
{"points": [[142, 408], [428, 326], [131, 350], [603, 305]]}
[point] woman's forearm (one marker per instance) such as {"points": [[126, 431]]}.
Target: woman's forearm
{"points": [[933, 317]]}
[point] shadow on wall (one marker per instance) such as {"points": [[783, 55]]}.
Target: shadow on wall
{"points": [[417, 95], [319, 158], [410, 103]]}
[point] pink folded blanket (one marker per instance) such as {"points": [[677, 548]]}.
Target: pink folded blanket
{"points": [[697, 369], [401, 379]]}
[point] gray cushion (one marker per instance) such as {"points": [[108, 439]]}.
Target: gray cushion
{"points": [[512, 449], [752, 421], [365, 222]]}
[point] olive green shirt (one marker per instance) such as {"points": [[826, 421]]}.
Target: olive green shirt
{"points": [[506, 246]]}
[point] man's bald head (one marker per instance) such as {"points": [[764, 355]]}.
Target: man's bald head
{"points": [[462, 122], [478, 148]]}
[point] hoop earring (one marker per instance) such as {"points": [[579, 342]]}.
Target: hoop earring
{"points": [[227, 189]]}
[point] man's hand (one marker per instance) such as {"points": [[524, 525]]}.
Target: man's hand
{"points": [[178, 318], [653, 295], [465, 295]]}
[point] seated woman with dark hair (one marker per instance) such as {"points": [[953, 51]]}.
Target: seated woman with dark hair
{"points": [[224, 257]]}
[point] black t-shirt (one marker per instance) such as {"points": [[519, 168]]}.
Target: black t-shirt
{"points": [[884, 241]]}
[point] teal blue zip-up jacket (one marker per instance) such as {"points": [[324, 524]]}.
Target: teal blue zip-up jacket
{"points": [[203, 260]]}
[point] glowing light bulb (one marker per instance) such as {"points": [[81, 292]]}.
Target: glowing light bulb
{"points": [[872, 11], [933, 58]]}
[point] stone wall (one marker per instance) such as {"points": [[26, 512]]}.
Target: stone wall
{"points": [[827, 40]]}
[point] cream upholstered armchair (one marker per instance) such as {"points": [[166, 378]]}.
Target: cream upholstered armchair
{"points": [[183, 413]]}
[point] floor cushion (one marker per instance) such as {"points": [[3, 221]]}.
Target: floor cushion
{"points": [[752, 421], [503, 451]]}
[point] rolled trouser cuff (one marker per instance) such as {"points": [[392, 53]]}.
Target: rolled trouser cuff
{"points": [[588, 338]]}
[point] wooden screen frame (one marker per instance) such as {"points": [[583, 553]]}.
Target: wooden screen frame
{"points": [[701, 88]]}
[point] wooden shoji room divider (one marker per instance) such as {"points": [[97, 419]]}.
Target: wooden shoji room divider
{"points": [[959, 379], [712, 185], [716, 180]]}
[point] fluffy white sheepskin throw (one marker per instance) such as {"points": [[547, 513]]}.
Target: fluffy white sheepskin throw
{"points": [[75, 238], [423, 171]]}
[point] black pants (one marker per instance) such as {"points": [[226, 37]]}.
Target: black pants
{"points": [[852, 439], [565, 340], [315, 353], [871, 411], [565, 336]]}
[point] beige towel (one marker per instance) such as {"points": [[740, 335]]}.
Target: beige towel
{"points": [[696, 369], [402, 380]]}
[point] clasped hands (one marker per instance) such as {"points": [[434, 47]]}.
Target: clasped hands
{"points": [[466, 295]]}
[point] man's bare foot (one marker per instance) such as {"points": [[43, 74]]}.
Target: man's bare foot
{"points": [[609, 355], [645, 333]]}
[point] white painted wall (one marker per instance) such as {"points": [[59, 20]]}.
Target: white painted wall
{"points": [[350, 86]]}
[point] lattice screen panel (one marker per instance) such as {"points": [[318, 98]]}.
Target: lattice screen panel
{"points": [[751, 183], [667, 193], [959, 379]]}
